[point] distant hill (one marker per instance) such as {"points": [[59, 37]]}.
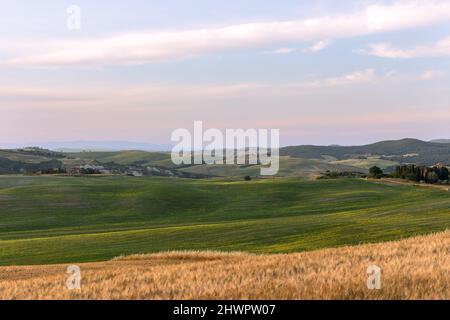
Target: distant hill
{"points": [[106, 146], [30, 155], [289, 166], [440, 141], [125, 157], [306, 160], [77, 146], [401, 151], [8, 166], [28, 160]]}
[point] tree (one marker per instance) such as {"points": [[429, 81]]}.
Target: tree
{"points": [[375, 172], [443, 173], [432, 177]]}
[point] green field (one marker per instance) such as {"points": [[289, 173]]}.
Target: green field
{"points": [[125, 157], [293, 167], [289, 166], [53, 219], [368, 163]]}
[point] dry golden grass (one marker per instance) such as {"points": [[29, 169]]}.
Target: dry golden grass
{"points": [[416, 268]]}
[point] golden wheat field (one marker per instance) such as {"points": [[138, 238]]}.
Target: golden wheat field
{"points": [[415, 268]]}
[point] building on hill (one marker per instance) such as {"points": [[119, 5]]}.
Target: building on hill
{"points": [[439, 165]]}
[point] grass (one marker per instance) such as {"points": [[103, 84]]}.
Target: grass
{"points": [[22, 156], [368, 163], [55, 219], [289, 167], [125, 157], [416, 268]]}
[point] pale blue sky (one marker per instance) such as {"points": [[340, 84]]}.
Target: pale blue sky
{"points": [[323, 72]]}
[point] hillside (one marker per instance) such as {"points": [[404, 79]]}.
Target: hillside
{"points": [[24, 156], [15, 161], [402, 151], [416, 268], [441, 141], [367, 162], [126, 157], [57, 219], [28, 160], [299, 161], [289, 167]]}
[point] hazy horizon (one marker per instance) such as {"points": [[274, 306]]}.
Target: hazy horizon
{"points": [[108, 145], [347, 73]]}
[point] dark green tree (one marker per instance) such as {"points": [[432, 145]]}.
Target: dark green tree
{"points": [[443, 173], [375, 172]]}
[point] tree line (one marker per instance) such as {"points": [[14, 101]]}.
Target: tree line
{"points": [[422, 173]]}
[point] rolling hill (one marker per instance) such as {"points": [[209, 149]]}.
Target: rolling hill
{"points": [[58, 219], [126, 157], [28, 160], [304, 161], [367, 162], [441, 141], [401, 151], [13, 161], [289, 167]]}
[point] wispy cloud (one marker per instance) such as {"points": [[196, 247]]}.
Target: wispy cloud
{"points": [[280, 51], [385, 50], [318, 46], [43, 94], [177, 92], [146, 47], [432, 74], [363, 76]]}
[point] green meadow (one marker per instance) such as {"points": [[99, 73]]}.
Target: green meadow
{"points": [[57, 219]]}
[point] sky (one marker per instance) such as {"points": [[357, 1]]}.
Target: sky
{"points": [[323, 72]]}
